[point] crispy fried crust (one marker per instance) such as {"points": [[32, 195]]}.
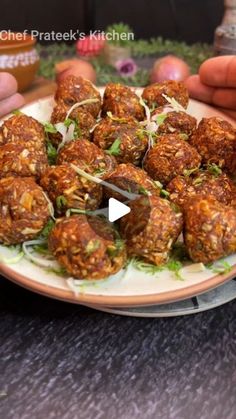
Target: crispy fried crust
{"points": [[215, 141], [19, 159], [84, 119], [152, 94], [133, 142], [151, 228], [24, 210], [67, 189], [202, 183], [122, 102], [209, 232], [176, 122], [74, 89], [87, 156], [87, 247], [22, 129], [131, 179], [170, 157]]}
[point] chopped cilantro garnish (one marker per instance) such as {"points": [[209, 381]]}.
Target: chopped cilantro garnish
{"points": [[47, 229], [50, 128], [51, 153], [161, 118], [17, 112], [221, 268], [61, 201], [75, 122], [214, 169], [188, 172], [143, 191], [164, 193], [114, 150], [114, 250], [175, 266]]}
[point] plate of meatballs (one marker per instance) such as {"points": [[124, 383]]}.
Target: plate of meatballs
{"points": [[171, 160]]}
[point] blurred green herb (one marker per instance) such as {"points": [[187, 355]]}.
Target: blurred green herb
{"points": [[114, 150], [61, 202]]}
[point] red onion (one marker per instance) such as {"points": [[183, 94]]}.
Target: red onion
{"points": [[169, 68]]}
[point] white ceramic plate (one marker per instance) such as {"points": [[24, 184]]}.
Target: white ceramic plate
{"points": [[129, 287]]}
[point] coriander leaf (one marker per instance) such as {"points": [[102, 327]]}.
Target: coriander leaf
{"points": [[188, 172], [164, 193], [175, 266], [50, 128], [143, 191], [114, 250], [114, 150], [17, 112], [47, 229], [214, 169], [61, 201], [51, 153], [161, 118]]}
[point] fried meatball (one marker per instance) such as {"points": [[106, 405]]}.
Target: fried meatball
{"points": [[215, 141], [209, 232], [87, 247], [152, 94], [170, 157], [22, 160], [74, 89], [24, 210], [151, 228], [88, 157], [122, 102], [84, 120], [22, 129], [130, 139], [132, 179], [176, 122], [203, 183], [67, 189]]}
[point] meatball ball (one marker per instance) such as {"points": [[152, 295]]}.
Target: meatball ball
{"points": [[170, 157], [24, 210], [203, 183], [67, 189], [87, 247], [122, 102], [74, 89], [126, 134], [176, 122], [209, 232], [88, 157], [152, 94], [130, 179], [215, 141], [22, 160], [151, 228], [84, 121], [22, 129]]}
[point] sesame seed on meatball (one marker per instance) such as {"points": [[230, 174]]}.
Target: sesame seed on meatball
{"points": [[171, 156], [153, 94], [122, 102], [74, 89], [128, 134], [151, 228], [209, 232], [87, 247], [215, 141], [66, 189], [24, 210]]}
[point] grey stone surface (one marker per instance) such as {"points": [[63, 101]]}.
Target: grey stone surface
{"points": [[68, 362]]}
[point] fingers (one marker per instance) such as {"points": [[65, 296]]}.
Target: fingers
{"points": [[11, 103], [8, 85], [198, 90], [219, 71]]}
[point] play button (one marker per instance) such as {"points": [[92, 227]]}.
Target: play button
{"points": [[116, 210]]}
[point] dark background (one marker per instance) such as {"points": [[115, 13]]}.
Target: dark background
{"points": [[187, 20]]}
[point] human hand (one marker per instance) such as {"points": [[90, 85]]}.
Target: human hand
{"points": [[216, 83], [9, 98]]}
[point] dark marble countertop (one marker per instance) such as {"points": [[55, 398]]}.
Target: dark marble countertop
{"points": [[66, 361]]}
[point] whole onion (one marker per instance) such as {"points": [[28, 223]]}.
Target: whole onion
{"points": [[169, 68], [76, 68]]}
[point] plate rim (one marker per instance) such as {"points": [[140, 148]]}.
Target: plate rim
{"points": [[118, 300], [122, 300]]}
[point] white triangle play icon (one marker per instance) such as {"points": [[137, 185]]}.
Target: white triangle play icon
{"points": [[116, 210]]}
